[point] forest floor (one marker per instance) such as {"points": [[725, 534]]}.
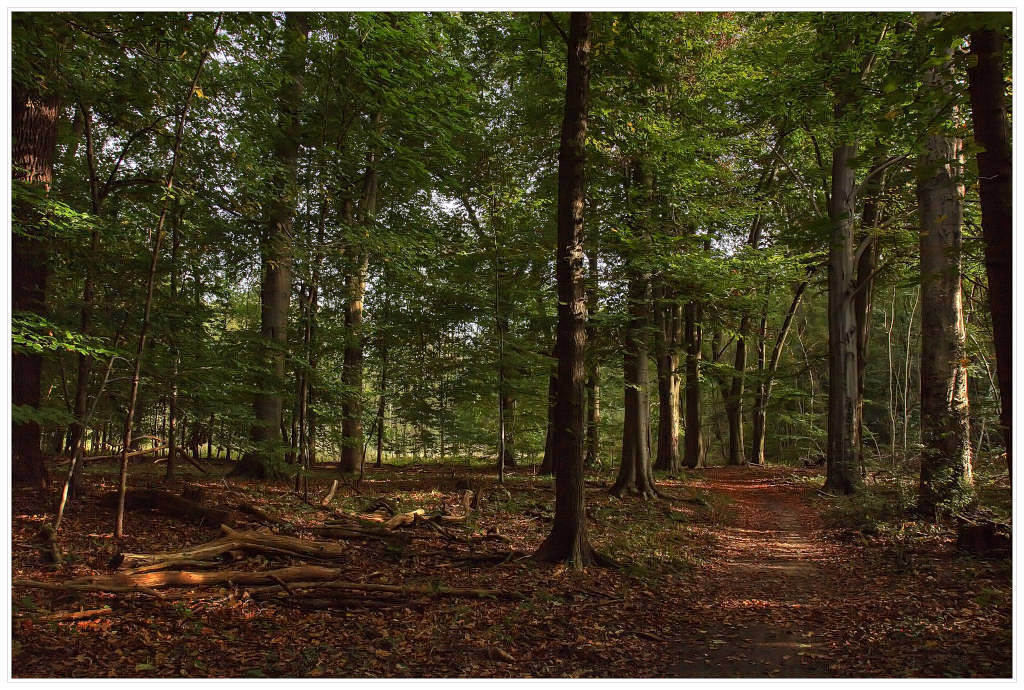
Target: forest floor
{"points": [[734, 574]]}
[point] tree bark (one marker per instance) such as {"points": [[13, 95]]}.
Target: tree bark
{"points": [[945, 432], [593, 383], [692, 442], [987, 87], [669, 336], [841, 474], [568, 540], [34, 118], [635, 475], [265, 460], [352, 421], [734, 398], [863, 288]]}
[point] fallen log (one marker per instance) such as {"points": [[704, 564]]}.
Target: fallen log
{"points": [[76, 615], [169, 504], [146, 582], [297, 578], [405, 518], [248, 541]]}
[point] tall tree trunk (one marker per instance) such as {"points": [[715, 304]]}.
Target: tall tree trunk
{"points": [[863, 290], [568, 538], [635, 475], [692, 442], [842, 475], [945, 432], [995, 182], [34, 118], [757, 417], [734, 398], [172, 441], [668, 337], [276, 249], [355, 283], [593, 383], [77, 429]]}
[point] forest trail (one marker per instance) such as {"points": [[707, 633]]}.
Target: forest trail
{"points": [[769, 562]]}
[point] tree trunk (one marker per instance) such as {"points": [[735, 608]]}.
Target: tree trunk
{"points": [[593, 384], [734, 399], [863, 288], [635, 475], [995, 183], [945, 434], [276, 248], [568, 538], [547, 465], [34, 137], [381, 403], [668, 337], [842, 475], [352, 373], [692, 441]]}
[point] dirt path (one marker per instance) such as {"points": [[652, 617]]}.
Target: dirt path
{"points": [[768, 578]]}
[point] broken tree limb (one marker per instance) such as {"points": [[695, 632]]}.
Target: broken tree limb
{"points": [[75, 615], [74, 586], [134, 453], [238, 540], [146, 582], [296, 577], [405, 518], [326, 500]]}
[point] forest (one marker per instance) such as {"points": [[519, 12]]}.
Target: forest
{"points": [[511, 344]]}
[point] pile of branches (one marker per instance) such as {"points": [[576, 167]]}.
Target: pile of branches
{"points": [[383, 518], [203, 567]]}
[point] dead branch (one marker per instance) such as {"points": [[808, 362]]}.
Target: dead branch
{"points": [[326, 500], [297, 577], [249, 541]]}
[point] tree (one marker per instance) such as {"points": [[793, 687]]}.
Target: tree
{"points": [[668, 338], [35, 103], [635, 475], [842, 476], [945, 432], [693, 444], [568, 538], [276, 250], [995, 188]]}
